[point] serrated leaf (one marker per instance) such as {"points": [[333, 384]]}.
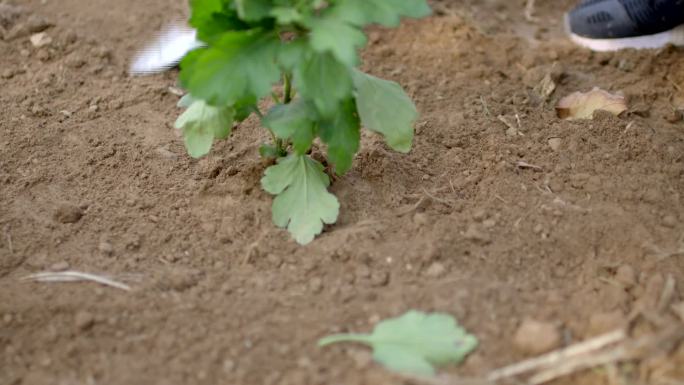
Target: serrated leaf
{"points": [[303, 203], [211, 19], [329, 34], [415, 342], [238, 65], [385, 108], [384, 12], [342, 135], [201, 124], [295, 121], [325, 81]]}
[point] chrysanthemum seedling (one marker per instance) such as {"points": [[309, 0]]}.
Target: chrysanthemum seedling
{"points": [[310, 46]]}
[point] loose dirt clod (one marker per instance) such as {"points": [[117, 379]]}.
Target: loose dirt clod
{"points": [[84, 320], [536, 337], [68, 213]]}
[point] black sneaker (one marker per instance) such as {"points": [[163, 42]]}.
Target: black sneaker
{"points": [[609, 25]]}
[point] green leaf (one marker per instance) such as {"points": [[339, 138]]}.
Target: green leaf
{"points": [[237, 66], [384, 12], [286, 15], [342, 136], [211, 19], [291, 54], [415, 342], [303, 203], [268, 151], [323, 80], [329, 34], [201, 123], [186, 101], [253, 10], [384, 107], [295, 121]]}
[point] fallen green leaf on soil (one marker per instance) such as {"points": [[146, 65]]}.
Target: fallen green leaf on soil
{"points": [[582, 105], [415, 342]]}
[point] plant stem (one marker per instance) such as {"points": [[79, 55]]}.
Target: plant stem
{"points": [[288, 89], [343, 338]]}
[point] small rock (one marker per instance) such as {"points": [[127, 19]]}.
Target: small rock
{"points": [[315, 285], [165, 153], [605, 322], [536, 337], [474, 234], [538, 228], [43, 55], [626, 276], [379, 278], [436, 270], [421, 219], [669, 221], [652, 195], [479, 215], [556, 185], [40, 39], [555, 143], [675, 116], [84, 320], [75, 62], [68, 213], [35, 24], [60, 266], [106, 248], [7, 74], [489, 223]]}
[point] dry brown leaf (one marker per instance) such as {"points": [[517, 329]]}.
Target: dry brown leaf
{"points": [[581, 105]]}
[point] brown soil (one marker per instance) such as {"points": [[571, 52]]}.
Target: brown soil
{"points": [[93, 178]]}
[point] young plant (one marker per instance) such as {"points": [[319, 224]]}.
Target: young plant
{"points": [[414, 343], [311, 48]]}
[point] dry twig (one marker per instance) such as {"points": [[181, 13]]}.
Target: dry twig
{"points": [[558, 356]]}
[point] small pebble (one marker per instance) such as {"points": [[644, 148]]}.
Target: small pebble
{"points": [[379, 278], [479, 215], [40, 40], [7, 74], [536, 337], [315, 285], [106, 248], [68, 213], [626, 276], [84, 320], [421, 219], [35, 24], [555, 143], [489, 223], [476, 235], [670, 221], [652, 195], [60, 266], [538, 228], [436, 270]]}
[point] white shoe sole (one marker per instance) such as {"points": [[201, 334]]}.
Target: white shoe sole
{"points": [[165, 52], [659, 40]]}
